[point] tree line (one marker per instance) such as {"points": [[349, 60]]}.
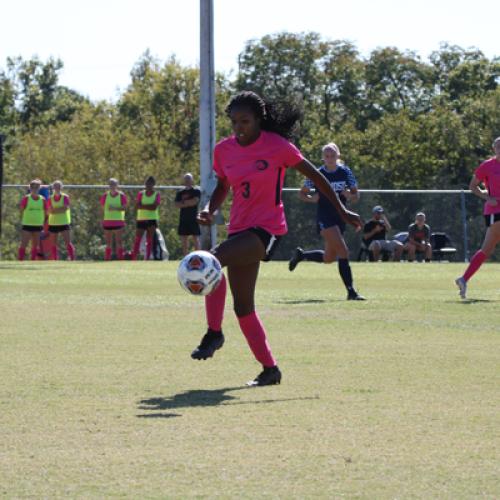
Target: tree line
{"points": [[400, 121]]}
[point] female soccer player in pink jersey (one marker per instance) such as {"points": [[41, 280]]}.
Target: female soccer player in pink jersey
{"points": [[33, 208], [113, 204], [60, 221], [146, 203], [252, 164], [488, 174]]}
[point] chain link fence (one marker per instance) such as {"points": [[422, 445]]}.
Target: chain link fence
{"points": [[457, 213]]}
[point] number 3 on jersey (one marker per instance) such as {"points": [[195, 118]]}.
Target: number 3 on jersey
{"points": [[246, 190]]}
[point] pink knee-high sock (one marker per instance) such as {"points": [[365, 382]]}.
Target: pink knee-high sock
{"points": [[475, 263], [137, 245], [34, 253], [70, 248], [149, 246], [21, 253], [214, 306], [255, 334], [53, 252], [120, 253], [107, 253]]}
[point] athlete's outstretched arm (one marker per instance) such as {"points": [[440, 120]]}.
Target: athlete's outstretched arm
{"points": [[307, 169], [206, 216]]}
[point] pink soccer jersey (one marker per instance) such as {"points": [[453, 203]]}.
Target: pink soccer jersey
{"points": [[489, 173], [256, 174]]}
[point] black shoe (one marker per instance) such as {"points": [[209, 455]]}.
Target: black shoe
{"points": [[210, 342], [269, 376], [297, 257], [353, 295]]}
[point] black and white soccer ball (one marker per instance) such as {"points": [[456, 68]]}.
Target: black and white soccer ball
{"points": [[199, 272]]}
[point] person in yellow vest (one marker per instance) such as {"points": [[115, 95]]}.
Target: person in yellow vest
{"points": [[59, 220], [113, 204], [147, 203], [33, 213]]}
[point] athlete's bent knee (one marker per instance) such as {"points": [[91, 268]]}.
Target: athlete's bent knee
{"points": [[243, 309], [328, 259]]}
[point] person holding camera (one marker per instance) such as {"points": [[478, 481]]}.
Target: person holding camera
{"points": [[375, 236]]}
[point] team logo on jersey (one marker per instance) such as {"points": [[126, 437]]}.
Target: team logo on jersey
{"points": [[261, 164], [338, 185]]}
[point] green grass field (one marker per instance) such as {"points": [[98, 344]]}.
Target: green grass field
{"points": [[396, 397]]}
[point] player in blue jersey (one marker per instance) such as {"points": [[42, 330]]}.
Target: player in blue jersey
{"points": [[330, 224]]}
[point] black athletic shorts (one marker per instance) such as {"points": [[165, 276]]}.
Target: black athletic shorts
{"points": [[491, 219], [33, 229], [329, 219], [144, 224], [112, 228], [59, 229], [269, 240], [188, 228]]}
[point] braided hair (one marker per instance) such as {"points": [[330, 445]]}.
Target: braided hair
{"points": [[278, 117]]}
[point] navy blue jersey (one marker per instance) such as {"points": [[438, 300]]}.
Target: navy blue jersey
{"points": [[340, 179]]}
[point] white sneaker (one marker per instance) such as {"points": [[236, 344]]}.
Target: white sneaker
{"points": [[462, 285]]}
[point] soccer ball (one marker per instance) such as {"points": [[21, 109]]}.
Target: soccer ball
{"points": [[199, 272]]}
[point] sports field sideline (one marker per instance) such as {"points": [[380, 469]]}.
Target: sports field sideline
{"points": [[395, 397]]}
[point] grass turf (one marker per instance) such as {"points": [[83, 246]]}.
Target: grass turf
{"points": [[394, 397]]}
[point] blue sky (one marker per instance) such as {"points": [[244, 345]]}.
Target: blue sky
{"points": [[99, 41]]}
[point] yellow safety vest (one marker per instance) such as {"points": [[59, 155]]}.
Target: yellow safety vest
{"points": [[61, 219], [143, 214], [113, 201], [34, 213]]}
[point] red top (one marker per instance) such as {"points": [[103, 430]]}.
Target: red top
{"points": [[256, 174], [489, 174]]}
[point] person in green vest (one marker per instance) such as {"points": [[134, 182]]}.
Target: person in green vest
{"points": [[114, 203], [59, 220], [33, 214], [148, 214]]}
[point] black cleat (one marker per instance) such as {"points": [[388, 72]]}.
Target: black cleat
{"points": [[211, 342], [297, 257], [353, 295], [269, 376]]}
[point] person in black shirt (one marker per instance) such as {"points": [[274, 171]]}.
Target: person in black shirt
{"points": [[375, 236], [187, 199]]}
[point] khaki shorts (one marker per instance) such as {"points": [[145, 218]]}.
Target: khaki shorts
{"points": [[384, 245]]}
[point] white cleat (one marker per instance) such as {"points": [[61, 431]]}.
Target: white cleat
{"points": [[462, 286]]}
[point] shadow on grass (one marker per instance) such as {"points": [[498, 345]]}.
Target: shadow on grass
{"points": [[466, 302], [302, 301], [30, 267], [200, 398]]}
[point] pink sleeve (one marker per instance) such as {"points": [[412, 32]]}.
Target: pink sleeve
{"points": [[45, 204], [291, 155], [24, 202], [139, 197], [66, 201], [158, 199], [217, 166], [102, 200], [49, 204], [124, 199]]}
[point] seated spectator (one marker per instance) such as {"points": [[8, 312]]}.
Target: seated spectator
{"points": [[375, 234], [419, 235]]}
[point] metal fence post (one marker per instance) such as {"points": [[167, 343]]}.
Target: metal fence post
{"points": [[2, 137], [464, 224]]}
